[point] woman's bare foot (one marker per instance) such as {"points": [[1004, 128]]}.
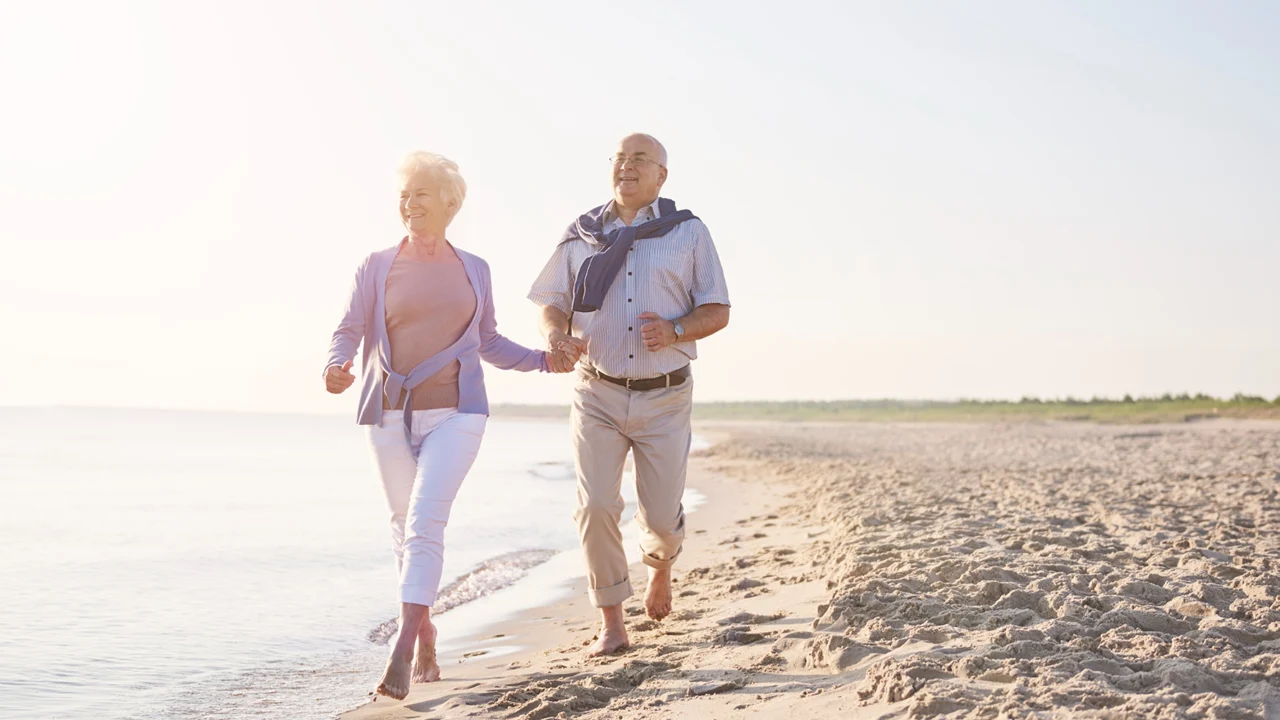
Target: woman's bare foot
{"points": [[657, 602], [425, 667], [613, 633], [395, 681]]}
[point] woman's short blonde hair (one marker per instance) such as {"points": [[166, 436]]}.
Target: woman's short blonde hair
{"points": [[453, 189]]}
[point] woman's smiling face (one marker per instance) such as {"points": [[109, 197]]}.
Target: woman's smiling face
{"points": [[421, 209]]}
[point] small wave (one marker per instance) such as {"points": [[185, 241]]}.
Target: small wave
{"points": [[386, 630], [554, 471], [490, 577]]}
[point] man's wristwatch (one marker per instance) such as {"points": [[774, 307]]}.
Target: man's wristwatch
{"points": [[678, 328]]}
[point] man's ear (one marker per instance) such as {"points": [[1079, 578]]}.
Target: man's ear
{"points": [[662, 176]]}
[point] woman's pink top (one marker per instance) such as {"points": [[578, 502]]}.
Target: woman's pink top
{"points": [[429, 306]]}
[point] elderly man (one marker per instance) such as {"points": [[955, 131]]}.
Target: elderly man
{"points": [[632, 286]]}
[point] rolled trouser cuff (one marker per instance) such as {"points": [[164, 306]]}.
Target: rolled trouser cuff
{"points": [[659, 563], [610, 596], [418, 595]]}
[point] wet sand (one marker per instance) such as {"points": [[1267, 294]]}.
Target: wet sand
{"points": [[931, 570]]}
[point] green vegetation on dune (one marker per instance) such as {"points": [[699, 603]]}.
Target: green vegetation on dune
{"points": [[1141, 410], [1167, 408]]}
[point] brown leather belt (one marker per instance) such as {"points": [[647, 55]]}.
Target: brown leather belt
{"points": [[671, 379]]}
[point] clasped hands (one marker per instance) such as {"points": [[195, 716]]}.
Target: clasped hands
{"points": [[563, 351]]}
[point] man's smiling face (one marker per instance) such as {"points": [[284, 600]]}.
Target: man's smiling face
{"points": [[638, 171]]}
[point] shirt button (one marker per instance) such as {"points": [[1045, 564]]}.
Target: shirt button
{"points": [[628, 272], [631, 356], [628, 299], [628, 329]]}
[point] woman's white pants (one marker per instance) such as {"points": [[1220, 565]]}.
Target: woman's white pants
{"points": [[421, 476]]}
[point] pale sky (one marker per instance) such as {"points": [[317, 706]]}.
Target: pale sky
{"points": [[915, 199]]}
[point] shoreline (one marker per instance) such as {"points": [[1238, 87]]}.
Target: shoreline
{"points": [[468, 629], [896, 570], [558, 621], [542, 585]]}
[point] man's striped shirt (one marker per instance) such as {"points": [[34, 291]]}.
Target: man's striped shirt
{"points": [[668, 275]]}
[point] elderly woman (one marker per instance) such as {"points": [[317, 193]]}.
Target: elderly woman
{"points": [[424, 311]]}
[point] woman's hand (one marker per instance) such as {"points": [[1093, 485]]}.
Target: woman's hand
{"points": [[337, 379], [563, 351], [559, 361]]}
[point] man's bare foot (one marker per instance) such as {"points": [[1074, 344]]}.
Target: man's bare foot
{"points": [[657, 602], [395, 681], [608, 643], [613, 633], [425, 667]]}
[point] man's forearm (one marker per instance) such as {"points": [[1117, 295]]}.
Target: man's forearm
{"points": [[705, 320], [553, 320]]}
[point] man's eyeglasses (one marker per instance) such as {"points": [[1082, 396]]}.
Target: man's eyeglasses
{"points": [[620, 160]]}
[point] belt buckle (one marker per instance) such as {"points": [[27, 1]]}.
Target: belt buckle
{"points": [[628, 383]]}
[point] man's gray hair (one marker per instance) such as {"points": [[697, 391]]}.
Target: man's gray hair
{"points": [[442, 170]]}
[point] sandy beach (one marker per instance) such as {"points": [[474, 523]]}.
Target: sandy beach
{"points": [[930, 570]]}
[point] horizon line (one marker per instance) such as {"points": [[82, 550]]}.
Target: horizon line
{"points": [[1026, 399]]}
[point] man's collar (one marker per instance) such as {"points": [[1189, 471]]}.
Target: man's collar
{"points": [[610, 215]]}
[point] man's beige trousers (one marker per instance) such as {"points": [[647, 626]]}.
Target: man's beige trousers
{"points": [[607, 421]]}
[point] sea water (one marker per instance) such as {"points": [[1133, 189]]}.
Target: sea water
{"points": [[168, 564]]}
